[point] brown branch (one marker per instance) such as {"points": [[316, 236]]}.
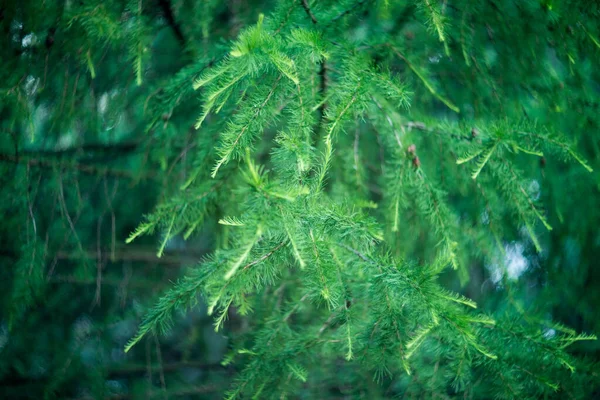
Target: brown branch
{"points": [[133, 254], [308, 11], [165, 5], [83, 168], [264, 257], [160, 367], [195, 390], [73, 280], [322, 89], [348, 11], [124, 147], [170, 367], [285, 20]]}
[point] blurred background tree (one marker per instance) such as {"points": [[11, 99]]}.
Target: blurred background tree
{"points": [[97, 136]]}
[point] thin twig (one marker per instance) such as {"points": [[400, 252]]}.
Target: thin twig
{"points": [[308, 11], [160, 367], [83, 168], [264, 257]]}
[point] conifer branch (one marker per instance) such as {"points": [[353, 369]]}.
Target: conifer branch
{"points": [[427, 84], [165, 5], [526, 196], [227, 149], [265, 256], [308, 11], [279, 99], [328, 142]]}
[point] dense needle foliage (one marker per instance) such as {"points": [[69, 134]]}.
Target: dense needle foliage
{"points": [[300, 199]]}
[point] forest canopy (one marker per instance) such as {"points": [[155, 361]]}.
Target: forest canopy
{"points": [[356, 199]]}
